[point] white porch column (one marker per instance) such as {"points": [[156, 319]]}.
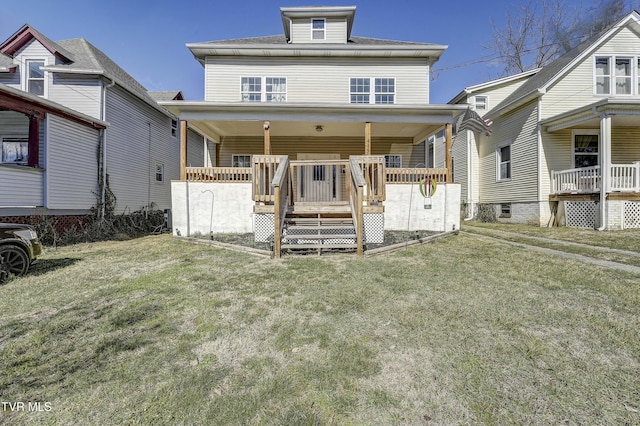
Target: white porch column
{"points": [[605, 166]]}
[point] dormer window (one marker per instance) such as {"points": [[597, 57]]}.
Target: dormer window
{"points": [[318, 30], [35, 77]]}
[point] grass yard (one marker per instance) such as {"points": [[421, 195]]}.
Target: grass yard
{"points": [[462, 331]]}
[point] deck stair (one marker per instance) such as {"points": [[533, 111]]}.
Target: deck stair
{"points": [[318, 232]]}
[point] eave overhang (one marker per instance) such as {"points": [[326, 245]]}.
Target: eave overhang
{"points": [[589, 113]]}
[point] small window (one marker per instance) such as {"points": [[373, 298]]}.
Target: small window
{"points": [[393, 161], [35, 77], [505, 210], [623, 76], [241, 160], [15, 150], [174, 128], [318, 29], [251, 89], [503, 154], [481, 103], [160, 172]]}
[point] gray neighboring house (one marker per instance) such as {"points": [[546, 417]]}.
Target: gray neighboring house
{"points": [[136, 151]]}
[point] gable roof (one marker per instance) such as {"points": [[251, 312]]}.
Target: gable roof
{"points": [[490, 84], [27, 33], [549, 74]]}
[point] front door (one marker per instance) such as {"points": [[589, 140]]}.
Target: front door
{"points": [[319, 182]]}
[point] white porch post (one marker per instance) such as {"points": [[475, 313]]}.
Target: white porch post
{"points": [[605, 166]]}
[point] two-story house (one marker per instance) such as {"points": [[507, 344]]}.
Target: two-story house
{"points": [[564, 144], [114, 137], [310, 126]]}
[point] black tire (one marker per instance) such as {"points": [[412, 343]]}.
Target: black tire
{"points": [[13, 261]]}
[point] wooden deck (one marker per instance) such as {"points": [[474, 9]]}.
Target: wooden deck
{"points": [[336, 207]]}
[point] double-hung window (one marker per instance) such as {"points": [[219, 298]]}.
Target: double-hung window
{"points": [[263, 89], [15, 150], [503, 161], [481, 103], [318, 29], [35, 77], [585, 148], [378, 91], [617, 75]]}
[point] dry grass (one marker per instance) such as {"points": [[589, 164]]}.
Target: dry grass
{"points": [[155, 331]]}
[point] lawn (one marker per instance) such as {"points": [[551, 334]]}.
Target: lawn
{"points": [[462, 331]]}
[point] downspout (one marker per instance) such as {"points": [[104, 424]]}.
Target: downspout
{"points": [[148, 174], [605, 137], [103, 115]]}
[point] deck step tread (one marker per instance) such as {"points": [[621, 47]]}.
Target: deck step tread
{"points": [[319, 236], [316, 219], [319, 246], [320, 227]]}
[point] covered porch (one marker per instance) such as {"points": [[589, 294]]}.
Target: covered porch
{"points": [[314, 176], [601, 186]]}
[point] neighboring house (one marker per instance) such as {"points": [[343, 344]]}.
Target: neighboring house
{"points": [[564, 146], [119, 134], [311, 124]]}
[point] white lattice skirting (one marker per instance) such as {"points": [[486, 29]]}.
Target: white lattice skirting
{"points": [[374, 228], [631, 214], [581, 214], [263, 227]]}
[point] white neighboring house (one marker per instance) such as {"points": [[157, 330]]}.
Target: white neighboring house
{"points": [[314, 126], [565, 142], [136, 145]]}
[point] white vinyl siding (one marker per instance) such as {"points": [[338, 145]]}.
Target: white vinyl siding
{"points": [[519, 127], [133, 147], [195, 149], [21, 186], [72, 169], [335, 31], [321, 80], [577, 88], [82, 94]]}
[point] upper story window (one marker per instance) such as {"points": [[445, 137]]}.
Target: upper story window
{"points": [[318, 29], [481, 103], [35, 77], [382, 91], [263, 89], [614, 75]]}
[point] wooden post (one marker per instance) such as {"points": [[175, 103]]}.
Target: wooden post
{"points": [[218, 153], [367, 138], [267, 138], [360, 224], [183, 149], [277, 234], [448, 145]]}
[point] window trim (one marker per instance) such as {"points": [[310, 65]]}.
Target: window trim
{"points": [[583, 132], [263, 89], [323, 29], [27, 78], [486, 103], [398, 157], [26, 141], [499, 161], [372, 94], [634, 76], [237, 156]]}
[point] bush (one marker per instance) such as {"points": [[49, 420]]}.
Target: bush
{"points": [[486, 213]]}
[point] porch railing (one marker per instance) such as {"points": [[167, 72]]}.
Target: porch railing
{"points": [[219, 174], [282, 200], [415, 175], [623, 177], [373, 172], [264, 169], [357, 183]]}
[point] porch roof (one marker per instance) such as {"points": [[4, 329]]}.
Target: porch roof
{"points": [[625, 113], [302, 119]]}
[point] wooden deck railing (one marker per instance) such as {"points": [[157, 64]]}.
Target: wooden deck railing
{"points": [[623, 177], [264, 169], [282, 199], [356, 186], [373, 172], [319, 181], [219, 174], [415, 175]]}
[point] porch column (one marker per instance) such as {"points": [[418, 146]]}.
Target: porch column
{"points": [[605, 166], [267, 138], [367, 138], [183, 149], [447, 154], [33, 155]]}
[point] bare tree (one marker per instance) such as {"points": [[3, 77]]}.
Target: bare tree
{"points": [[538, 32]]}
